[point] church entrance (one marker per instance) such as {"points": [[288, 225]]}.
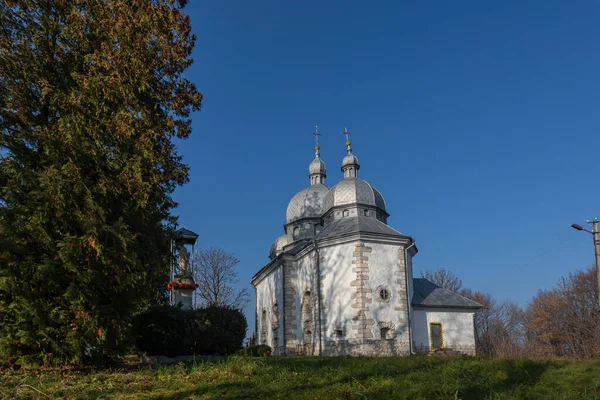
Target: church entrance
{"points": [[437, 341]]}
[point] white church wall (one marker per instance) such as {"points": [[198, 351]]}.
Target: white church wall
{"points": [[267, 292], [457, 329], [300, 283], [353, 314], [383, 273], [336, 277]]}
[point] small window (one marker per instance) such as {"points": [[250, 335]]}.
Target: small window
{"points": [[317, 229], [339, 333], [366, 213], [384, 333], [296, 232], [345, 213], [384, 293]]}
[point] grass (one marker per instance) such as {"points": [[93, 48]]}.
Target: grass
{"points": [[313, 378]]}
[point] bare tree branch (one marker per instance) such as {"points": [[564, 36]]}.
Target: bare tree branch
{"points": [[444, 278], [215, 274]]}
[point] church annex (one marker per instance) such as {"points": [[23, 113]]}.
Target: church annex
{"points": [[340, 280]]}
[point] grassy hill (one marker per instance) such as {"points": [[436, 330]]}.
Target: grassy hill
{"points": [[313, 378]]}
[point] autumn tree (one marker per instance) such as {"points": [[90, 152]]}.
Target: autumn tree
{"points": [[91, 98], [499, 326], [565, 320], [216, 276]]}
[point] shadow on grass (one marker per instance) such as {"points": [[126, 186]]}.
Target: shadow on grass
{"points": [[514, 377]]}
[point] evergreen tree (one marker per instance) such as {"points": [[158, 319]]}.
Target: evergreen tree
{"points": [[91, 99]]}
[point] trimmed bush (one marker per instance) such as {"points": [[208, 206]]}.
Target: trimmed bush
{"points": [[171, 331]]}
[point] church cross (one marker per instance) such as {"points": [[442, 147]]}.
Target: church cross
{"points": [[347, 140], [346, 133], [317, 134]]}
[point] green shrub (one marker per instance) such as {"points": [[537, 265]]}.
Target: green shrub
{"points": [[171, 331], [254, 351]]}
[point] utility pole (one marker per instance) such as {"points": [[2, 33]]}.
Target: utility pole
{"points": [[596, 236]]}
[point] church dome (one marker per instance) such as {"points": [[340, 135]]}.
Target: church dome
{"points": [[307, 204], [353, 191], [278, 245], [317, 166], [349, 160]]}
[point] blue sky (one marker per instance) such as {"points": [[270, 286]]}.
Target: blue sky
{"points": [[478, 121]]}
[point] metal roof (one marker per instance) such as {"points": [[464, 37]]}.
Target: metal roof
{"points": [[344, 226], [308, 203], [428, 294], [353, 191]]}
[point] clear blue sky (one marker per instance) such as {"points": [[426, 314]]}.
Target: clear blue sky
{"points": [[479, 122]]}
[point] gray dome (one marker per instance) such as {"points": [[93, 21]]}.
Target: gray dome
{"points": [[317, 166], [352, 191], [278, 245], [350, 159], [307, 204]]}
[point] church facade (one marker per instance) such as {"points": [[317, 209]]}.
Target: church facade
{"points": [[340, 280]]}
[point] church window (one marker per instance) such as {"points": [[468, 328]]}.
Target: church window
{"points": [[307, 322], [275, 316], [384, 333], [384, 293], [296, 232], [317, 229], [263, 327], [366, 213], [345, 213], [387, 330]]}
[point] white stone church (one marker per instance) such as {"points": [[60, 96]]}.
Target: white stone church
{"points": [[340, 280]]}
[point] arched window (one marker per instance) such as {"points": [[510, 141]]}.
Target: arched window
{"points": [[275, 325], [345, 213], [263, 327], [296, 232], [307, 322], [366, 213], [275, 315], [384, 333]]}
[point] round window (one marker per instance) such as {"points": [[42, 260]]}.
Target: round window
{"points": [[384, 293]]}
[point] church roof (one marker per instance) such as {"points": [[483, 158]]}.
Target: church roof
{"points": [[307, 204], [353, 190], [428, 294], [344, 226]]}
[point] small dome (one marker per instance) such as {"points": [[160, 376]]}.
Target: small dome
{"points": [[278, 245], [307, 204], [350, 159], [353, 191], [317, 166]]}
